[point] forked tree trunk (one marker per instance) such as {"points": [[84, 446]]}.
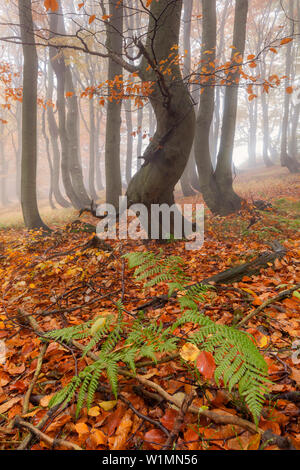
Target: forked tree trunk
{"points": [[30, 210], [113, 114], [216, 185], [167, 154], [289, 161], [129, 148], [92, 161]]}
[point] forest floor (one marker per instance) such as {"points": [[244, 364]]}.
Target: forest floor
{"points": [[60, 280]]}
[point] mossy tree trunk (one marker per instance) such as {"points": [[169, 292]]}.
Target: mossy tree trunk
{"points": [[167, 154]]}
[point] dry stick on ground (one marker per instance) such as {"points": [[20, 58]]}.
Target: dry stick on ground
{"points": [[35, 377], [211, 415], [280, 296], [228, 276], [18, 422], [186, 403]]}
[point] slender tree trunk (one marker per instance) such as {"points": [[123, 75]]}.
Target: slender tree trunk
{"points": [[266, 130], [30, 210], [206, 108], [216, 186], [167, 154], [92, 161], [185, 179], [98, 151], [53, 131], [113, 114], [230, 201], [287, 160]]}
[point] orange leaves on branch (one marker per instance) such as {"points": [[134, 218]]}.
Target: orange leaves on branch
{"points": [[92, 19], [289, 90], [80, 5], [51, 5], [252, 97], [69, 94]]}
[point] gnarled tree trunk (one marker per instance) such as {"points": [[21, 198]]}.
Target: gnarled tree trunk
{"points": [[30, 210], [167, 154]]}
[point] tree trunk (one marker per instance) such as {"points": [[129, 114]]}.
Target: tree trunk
{"points": [[53, 131], [266, 130], [47, 144], [167, 154], [30, 210], [129, 149], [92, 161], [185, 179], [216, 186], [252, 136], [113, 114], [206, 108]]}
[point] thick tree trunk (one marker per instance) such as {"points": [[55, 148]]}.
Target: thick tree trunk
{"points": [[140, 114], [92, 161], [216, 186], [252, 136], [206, 108], [113, 114], [185, 179], [30, 210], [47, 144], [73, 132], [167, 154], [266, 130], [98, 151]]}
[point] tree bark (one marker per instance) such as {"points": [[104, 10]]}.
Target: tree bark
{"points": [[167, 154], [53, 131], [113, 114], [129, 149], [30, 210]]}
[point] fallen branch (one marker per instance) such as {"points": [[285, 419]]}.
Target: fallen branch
{"points": [[186, 403], [20, 423], [35, 377], [228, 276], [280, 296]]}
